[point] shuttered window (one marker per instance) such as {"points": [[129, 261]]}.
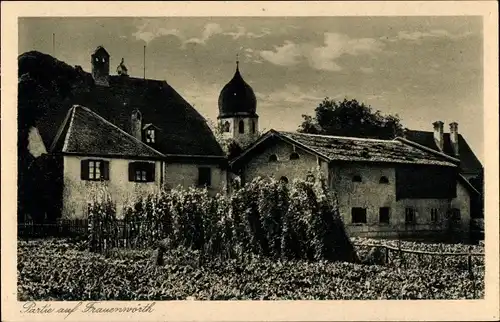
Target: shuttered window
{"points": [[94, 170], [141, 171]]}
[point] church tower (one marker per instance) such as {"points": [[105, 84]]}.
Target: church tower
{"points": [[100, 66], [237, 111]]}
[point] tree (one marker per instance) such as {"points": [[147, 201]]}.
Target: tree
{"points": [[351, 118]]}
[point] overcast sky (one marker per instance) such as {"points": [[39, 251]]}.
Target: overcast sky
{"points": [[422, 68]]}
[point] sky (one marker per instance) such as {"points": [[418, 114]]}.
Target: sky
{"points": [[423, 69]]}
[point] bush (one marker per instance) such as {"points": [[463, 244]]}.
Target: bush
{"points": [[265, 217]]}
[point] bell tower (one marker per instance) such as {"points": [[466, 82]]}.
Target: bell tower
{"points": [[237, 110], [100, 66]]}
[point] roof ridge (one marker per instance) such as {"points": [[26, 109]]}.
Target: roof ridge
{"points": [[341, 137], [119, 129], [68, 132], [60, 130], [427, 149]]}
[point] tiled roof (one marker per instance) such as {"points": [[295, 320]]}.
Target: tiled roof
{"points": [[60, 86], [334, 148], [469, 163], [85, 132]]}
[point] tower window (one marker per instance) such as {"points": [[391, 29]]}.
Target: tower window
{"points": [[294, 156], [384, 180], [241, 127], [273, 158], [356, 178], [150, 136], [253, 127]]}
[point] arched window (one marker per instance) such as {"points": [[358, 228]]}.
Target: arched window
{"points": [[241, 127], [294, 156], [356, 178], [384, 179], [226, 126], [284, 179], [273, 158]]}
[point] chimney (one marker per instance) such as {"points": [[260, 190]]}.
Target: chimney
{"points": [[438, 134], [454, 137], [100, 66], [136, 125]]}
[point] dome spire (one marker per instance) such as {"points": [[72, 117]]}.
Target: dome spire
{"points": [[237, 62]]}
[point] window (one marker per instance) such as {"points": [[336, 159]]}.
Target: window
{"points": [[383, 215], [253, 127], [150, 135], [226, 127], [284, 179], [356, 178], [455, 215], [204, 177], [94, 170], [358, 215], [434, 215], [410, 216], [273, 158], [384, 180], [294, 156], [241, 127], [141, 172]]}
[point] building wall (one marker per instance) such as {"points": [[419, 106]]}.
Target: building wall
{"points": [[369, 193], [186, 175], [77, 193], [372, 195], [259, 165]]}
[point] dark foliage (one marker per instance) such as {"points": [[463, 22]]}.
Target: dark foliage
{"points": [[351, 118]]}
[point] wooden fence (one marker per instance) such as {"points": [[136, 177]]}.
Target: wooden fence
{"points": [[60, 228]]}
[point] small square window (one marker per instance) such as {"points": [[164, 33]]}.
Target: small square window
{"points": [[356, 178], [410, 217], [358, 215], [384, 215], [434, 215], [204, 177]]}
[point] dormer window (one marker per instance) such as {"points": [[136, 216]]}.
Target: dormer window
{"points": [[384, 180], [150, 135], [356, 178]]}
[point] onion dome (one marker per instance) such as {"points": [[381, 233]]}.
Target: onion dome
{"points": [[237, 98]]}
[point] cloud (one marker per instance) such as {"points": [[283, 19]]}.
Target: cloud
{"points": [[291, 94], [366, 70], [286, 55], [149, 31], [418, 36], [322, 57], [242, 32], [209, 30]]}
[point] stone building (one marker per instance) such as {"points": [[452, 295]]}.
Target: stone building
{"points": [[127, 134], [385, 188]]}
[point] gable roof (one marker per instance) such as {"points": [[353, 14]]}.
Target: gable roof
{"points": [[60, 86], [85, 132], [336, 148], [469, 163]]}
